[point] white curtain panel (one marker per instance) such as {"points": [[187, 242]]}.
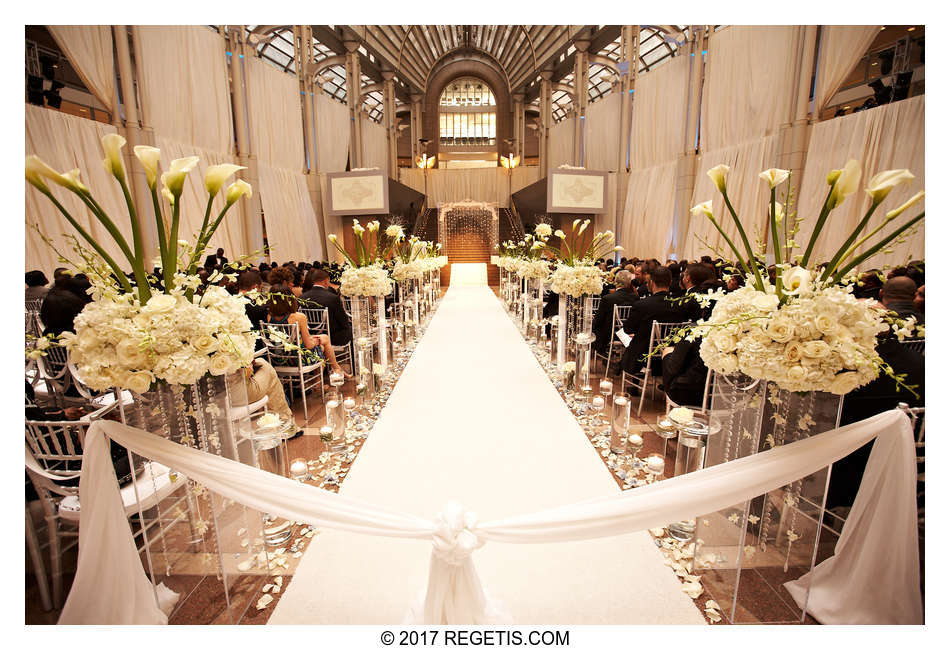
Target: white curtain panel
{"points": [[748, 85], [67, 142], [522, 177], [292, 230], [648, 214], [89, 50], [184, 85], [748, 194], [887, 137], [413, 177], [842, 46], [449, 185], [872, 578], [275, 115], [230, 235], [333, 134], [561, 144], [375, 146], [601, 144], [659, 114]]}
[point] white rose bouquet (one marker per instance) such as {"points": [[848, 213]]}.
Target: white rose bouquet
{"points": [[364, 273], [371, 280]]}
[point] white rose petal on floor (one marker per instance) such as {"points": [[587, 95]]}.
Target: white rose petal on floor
{"points": [[473, 418]]}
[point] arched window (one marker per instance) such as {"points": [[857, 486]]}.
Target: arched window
{"points": [[467, 114]]}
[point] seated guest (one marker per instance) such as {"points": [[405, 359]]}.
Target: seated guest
{"points": [[36, 288], [919, 299], [897, 295], [261, 379], [658, 306], [61, 306], [698, 278], [216, 260], [869, 286], [282, 308], [684, 373], [341, 330], [297, 282], [247, 282], [604, 318]]}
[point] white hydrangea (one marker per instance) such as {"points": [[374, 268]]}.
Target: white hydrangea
{"points": [[822, 339], [533, 269], [404, 271], [577, 281], [366, 281]]}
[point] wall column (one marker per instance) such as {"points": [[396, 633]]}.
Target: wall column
{"points": [[518, 130], [544, 132], [630, 60], [147, 231], [415, 124], [389, 119], [353, 98], [581, 82]]}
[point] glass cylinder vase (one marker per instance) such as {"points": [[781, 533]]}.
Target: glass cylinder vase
{"points": [[575, 315]]}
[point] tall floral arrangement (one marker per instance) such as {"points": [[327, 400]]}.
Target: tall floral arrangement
{"points": [[806, 330], [365, 273], [576, 273], [140, 330]]}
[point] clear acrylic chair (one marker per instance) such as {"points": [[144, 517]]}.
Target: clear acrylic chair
{"points": [[295, 366], [318, 322], [621, 312], [705, 403], [641, 380], [53, 371]]}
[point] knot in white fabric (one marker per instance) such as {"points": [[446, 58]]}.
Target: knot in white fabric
{"points": [[454, 538]]}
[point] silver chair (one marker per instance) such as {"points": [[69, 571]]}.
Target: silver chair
{"points": [[916, 415], [704, 405], [53, 371], [295, 365], [658, 332], [917, 345], [318, 322], [621, 312]]}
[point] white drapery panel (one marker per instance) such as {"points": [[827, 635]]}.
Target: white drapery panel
{"points": [[489, 184], [292, 231], [873, 576], [601, 142], [333, 134], [230, 235], [274, 112], [185, 85], [659, 114], [522, 177], [66, 142], [89, 50], [842, 46], [749, 83], [413, 177], [561, 144], [375, 145], [648, 214], [887, 137], [747, 192]]}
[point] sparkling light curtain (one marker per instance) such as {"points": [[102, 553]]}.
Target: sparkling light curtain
{"points": [[67, 142], [842, 46], [561, 144], [648, 213], [185, 85], [887, 137], [749, 195], [291, 221], [375, 145], [333, 134], [659, 114], [89, 50], [230, 234], [601, 141], [748, 85], [275, 117]]}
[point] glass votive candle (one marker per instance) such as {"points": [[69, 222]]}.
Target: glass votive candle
{"points": [[606, 387], [335, 416], [299, 470], [655, 464], [326, 434], [635, 444], [619, 423], [336, 379]]}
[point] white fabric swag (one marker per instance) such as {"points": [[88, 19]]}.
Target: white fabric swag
{"points": [[659, 114], [89, 50], [333, 133], [292, 229], [887, 137], [602, 124], [185, 85], [275, 115], [841, 47], [747, 90], [648, 214], [859, 584], [67, 142]]}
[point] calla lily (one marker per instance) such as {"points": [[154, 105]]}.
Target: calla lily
{"points": [[774, 177], [779, 213], [832, 176], [795, 279], [911, 201], [149, 157], [702, 208], [36, 169], [71, 180], [584, 226], [718, 176], [174, 178], [576, 221], [846, 184], [217, 174], [559, 233], [168, 196], [236, 190], [331, 237], [112, 144], [373, 226], [882, 184]]}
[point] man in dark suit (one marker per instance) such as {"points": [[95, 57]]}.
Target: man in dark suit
{"points": [[248, 281], [604, 318], [656, 307], [341, 331], [897, 295], [698, 279], [217, 260]]}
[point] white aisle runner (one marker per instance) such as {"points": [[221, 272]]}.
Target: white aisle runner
{"points": [[474, 418]]}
